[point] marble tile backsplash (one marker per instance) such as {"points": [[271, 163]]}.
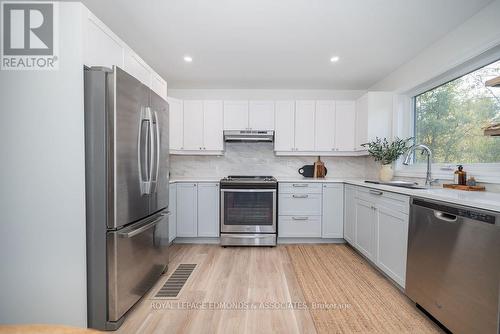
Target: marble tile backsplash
{"points": [[259, 159]]}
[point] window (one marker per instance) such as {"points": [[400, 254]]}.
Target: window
{"points": [[449, 119]]}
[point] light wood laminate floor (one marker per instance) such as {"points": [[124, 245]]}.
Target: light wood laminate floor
{"points": [[286, 289]]}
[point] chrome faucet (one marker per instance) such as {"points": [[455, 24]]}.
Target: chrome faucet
{"points": [[426, 149]]}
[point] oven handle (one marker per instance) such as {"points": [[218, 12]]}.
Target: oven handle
{"points": [[248, 190]]}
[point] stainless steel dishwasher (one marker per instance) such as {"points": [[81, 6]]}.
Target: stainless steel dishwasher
{"points": [[453, 267]]}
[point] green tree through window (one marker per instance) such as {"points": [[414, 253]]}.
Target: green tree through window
{"points": [[449, 118]]}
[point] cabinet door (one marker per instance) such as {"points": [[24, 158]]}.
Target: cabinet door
{"points": [[361, 122], [158, 85], [261, 115], [136, 67], [392, 243], [349, 213], [176, 124], [172, 207], [304, 125], [324, 129], [284, 134], [187, 210], [193, 125], [103, 48], [345, 125], [333, 211], [365, 228], [213, 123], [208, 209], [236, 115]]}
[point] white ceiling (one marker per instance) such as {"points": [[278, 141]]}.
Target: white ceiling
{"points": [[280, 43]]}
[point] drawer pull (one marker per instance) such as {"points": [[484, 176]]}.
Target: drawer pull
{"points": [[300, 218], [376, 192], [300, 185], [300, 196]]}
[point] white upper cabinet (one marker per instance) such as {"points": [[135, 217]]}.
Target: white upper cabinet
{"points": [[374, 112], [324, 130], [196, 127], [158, 85], [102, 46], [284, 136], [236, 115], [193, 125], [135, 66], [213, 120], [304, 125], [261, 115], [176, 133], [345, 125]]}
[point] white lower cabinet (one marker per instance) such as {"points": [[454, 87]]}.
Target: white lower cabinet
{"points": [[376, 224], [392, 232], [187, 207], [172, 207], [300, 226], [208, 209], [333, 211], [365, 228], [197, 209], [349, 213]]}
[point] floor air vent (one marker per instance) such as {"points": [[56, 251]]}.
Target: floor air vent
{"points": [[176, 281]]}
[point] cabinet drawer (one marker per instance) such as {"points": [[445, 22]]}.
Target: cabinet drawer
{"points": [[299, 226], [300, 188], [299, 204], [398, 202]]}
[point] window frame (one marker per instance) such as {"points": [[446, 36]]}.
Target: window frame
{"points": [[483, 172]]}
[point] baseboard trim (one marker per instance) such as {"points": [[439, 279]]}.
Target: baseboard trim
{"points": [[211, 241], [310, 241]]}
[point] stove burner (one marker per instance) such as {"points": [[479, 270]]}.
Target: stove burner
{"points": [[249, 178]]}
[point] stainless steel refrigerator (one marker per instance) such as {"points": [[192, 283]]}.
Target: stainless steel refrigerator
{"points": [[127, 167]]}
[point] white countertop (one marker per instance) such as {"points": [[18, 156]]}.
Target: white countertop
{"points": [[477, 199]]}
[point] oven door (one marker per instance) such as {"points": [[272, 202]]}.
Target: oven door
{"points": [[248, 210]]}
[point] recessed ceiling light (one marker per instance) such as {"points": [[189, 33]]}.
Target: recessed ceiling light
{"points": [[188, 59], [334, 59]]}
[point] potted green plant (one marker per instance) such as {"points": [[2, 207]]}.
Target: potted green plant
{"points": [[386, 152]]}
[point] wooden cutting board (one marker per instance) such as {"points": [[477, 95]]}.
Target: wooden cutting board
{"points": [[466, 188]]}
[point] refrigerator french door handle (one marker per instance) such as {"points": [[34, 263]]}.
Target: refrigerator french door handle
{"points": [[152, 149], [144, 147], [157, 151]]}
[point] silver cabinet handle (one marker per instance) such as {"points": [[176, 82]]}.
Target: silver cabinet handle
{"points": [[300, 218], [300, 196], [376, 192], [300, 185]]}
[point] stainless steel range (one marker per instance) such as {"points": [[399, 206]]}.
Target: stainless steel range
{"points": [[248, 210]]}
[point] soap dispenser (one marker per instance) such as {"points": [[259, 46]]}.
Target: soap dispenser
{"points": [[460, 176]]}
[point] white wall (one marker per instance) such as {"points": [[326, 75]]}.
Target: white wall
{"points": [[42, 191], [476, 35], [264, 94]]}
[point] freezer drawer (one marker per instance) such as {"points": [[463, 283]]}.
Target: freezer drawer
{"points": [[137, 256]]}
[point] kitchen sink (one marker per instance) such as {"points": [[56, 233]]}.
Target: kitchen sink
{"points": [[401, 184]]}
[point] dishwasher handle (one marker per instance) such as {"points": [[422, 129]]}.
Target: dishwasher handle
{"points": [[445, 216]]}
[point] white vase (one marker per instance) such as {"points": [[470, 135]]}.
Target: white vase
{"points": [[386, 173]]}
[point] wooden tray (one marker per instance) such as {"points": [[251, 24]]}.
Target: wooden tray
{"points": [[466, 188]]}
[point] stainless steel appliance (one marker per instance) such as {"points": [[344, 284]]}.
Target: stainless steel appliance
{"points": [[248, 210], [248, 135], [126, 161], [453, 267]]}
